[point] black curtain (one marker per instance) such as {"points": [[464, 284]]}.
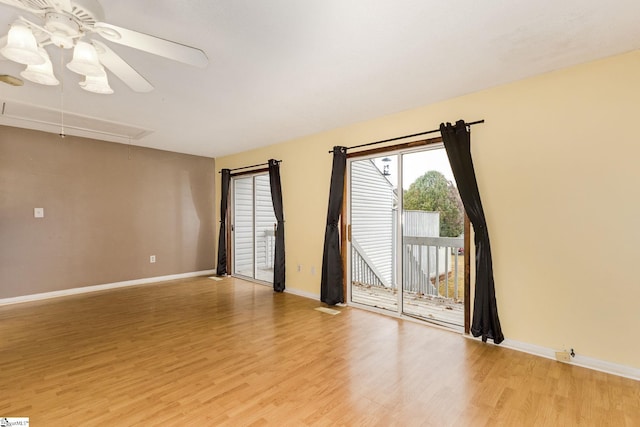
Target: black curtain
{"points": [[276, 198], [457, 143], [222, 238], [331, 291]]}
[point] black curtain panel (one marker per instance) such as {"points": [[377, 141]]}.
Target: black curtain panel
{"points": [[276, 198], [221, 270], [331, 291], [457, 143]]}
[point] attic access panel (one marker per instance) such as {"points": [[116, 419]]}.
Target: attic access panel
{"points": [[34, 117]]}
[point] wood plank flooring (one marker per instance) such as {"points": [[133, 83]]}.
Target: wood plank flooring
{"points": [[199, 352]]}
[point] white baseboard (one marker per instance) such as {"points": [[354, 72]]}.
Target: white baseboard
{"points": [[94, 288], [303, 294], [578, 360]]}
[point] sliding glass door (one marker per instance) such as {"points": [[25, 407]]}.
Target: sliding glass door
{"points": [[406, 250], [253, 227]]}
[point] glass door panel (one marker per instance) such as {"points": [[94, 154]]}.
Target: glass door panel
{"points": [[265, 223], [432, 239], [373, 218]]}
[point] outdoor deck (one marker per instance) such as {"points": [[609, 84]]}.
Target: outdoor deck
{"points": [[431, 308], [432, 280]]}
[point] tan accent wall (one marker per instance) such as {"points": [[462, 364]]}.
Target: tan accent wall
{"points": [[557, 168], [107, 208]]}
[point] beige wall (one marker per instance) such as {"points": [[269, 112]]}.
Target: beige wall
{"points": [[107, 207], [556, 163]]}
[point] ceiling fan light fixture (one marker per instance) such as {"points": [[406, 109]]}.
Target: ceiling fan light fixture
{"points": [[43, 73], [97, 84], [62, 28], [85, 60], [62, 41], [22, 46]]}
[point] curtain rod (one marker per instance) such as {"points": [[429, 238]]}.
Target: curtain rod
{"points": [[252, 166], [405, 136]]}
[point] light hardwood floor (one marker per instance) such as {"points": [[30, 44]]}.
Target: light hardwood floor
{"points": [[199, 352]]}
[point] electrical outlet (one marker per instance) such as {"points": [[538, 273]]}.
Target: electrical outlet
{"points": [[152, 259], [38, 212], [313, 271], [563, 356], [299, 268]]}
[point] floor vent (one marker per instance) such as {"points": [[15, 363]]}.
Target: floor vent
{"points": [[328, 310]]}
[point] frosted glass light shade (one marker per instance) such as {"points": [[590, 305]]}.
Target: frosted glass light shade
{"points": [[98, 84], [22, 46], [85, 60], [43, 73]]}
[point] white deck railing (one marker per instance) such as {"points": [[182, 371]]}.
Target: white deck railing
{"points": [[428, 262], [363, 269]]}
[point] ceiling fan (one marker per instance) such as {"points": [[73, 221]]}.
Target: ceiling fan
{"points": [[69, 24]]}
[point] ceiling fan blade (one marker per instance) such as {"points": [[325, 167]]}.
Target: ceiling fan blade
{"points": [[11, 80], [121, 69], [157, 46], [61, 5], [13, 3], [21, 6]]}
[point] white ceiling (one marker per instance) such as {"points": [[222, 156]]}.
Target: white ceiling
{"points": [[281, 69]]}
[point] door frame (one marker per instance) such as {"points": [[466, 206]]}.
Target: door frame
{"points": [[345, 231]]}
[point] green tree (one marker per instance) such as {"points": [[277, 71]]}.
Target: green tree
{"points": [[432, 192]]}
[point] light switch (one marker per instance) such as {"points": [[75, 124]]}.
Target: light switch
{"points": [[38, 212]]}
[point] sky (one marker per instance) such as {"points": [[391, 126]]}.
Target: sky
{"points": [[417, 164]]}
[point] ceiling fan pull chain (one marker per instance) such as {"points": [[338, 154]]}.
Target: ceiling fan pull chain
{"points": [[62, 135]]}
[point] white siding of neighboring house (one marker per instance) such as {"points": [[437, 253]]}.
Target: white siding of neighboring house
{"points": [[421, 224], [372, 203], [243, 237], [425, 224]]}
